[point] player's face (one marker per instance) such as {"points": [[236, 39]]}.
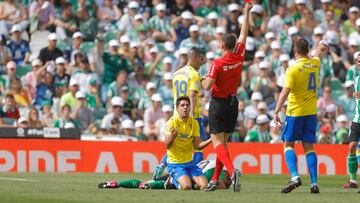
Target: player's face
{"points": [[358, 61], [184, 109], [227, 178]]}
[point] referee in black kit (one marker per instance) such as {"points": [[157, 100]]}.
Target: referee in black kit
{"points": [[223, 79]]}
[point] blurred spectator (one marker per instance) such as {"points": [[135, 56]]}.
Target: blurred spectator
{"points": [[325, 100], [61, 78], [354, 70], [251, 111], [92, 96], [95, 56], [349, 25], [22, 123], [126, 24], [128, 128], [69, 52], [65, 120], [209, 30], [88, 25], [306, 24], [179, 7], [21, 95], [346, 103], [139, 131], [275, 133], [117, 104], [19, 48], [33, 119], [45, 89], [84, 75], [343, 130], [113, 63], [160, 24], [160, 124], [276, 22], [114, 88], [208, 7], [194, 40], [5, 54], [145, 98], [231, 23], [152, 114], [69, 97], [31, 79], [51, 52], [108, 14], [129, 106], [67, 23], [12, 13], [5, 80], [325, 134], [82, 113], [48, 114], [260, 132], [115, 127], [9, 113], [166, 90], [42, 14]]}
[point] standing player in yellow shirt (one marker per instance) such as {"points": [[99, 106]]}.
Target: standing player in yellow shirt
{"points": [[301, 90], [187, 82], [182, 136]]}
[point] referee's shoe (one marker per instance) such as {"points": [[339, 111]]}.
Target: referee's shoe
{"points": [[236, 180]]}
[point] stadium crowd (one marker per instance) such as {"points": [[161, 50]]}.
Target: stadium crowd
{"points": [[106, 66]]}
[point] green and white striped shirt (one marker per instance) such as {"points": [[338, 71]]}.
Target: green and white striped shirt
{"points": [[162, 25], [357, 109]]}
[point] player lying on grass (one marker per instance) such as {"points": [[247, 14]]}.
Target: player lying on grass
{"points": [[165, 182]]}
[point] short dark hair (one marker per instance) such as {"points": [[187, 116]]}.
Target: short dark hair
{"points": [[182, 98], [195, 52], [302, 46], [115, 121], [229, 41]]}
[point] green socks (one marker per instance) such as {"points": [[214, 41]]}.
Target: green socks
{"points": [[352, 166], [159, 184], [129, 183]]}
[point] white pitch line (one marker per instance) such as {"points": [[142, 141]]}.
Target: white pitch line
{"points": [[17, 179]]}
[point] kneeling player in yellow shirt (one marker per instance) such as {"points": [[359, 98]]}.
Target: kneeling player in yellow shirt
{"points": [[182, 138]]}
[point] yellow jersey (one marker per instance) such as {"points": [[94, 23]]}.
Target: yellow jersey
{"points": [[182, 148], [185, 80], [303, 80]]}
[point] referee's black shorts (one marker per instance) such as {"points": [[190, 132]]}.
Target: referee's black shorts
{"points": [[354, 134], [223, 115]]}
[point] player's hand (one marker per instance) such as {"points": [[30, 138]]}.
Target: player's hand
{"points": [[356, 95], [277, 121], [174, 133]]}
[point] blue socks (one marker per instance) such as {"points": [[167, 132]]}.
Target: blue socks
{"points": [[163, 160], [291, 161], [311, 160]]}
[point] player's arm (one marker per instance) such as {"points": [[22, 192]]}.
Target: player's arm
{"points": [[207, 83], [245, 25], [169, 139], [192, 97], [282, 98]]}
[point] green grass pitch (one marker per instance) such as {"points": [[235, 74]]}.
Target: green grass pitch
{"points": [[81, 187]]}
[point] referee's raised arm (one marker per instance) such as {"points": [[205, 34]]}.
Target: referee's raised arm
{"points": [[245, 25], [208, 82]]}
